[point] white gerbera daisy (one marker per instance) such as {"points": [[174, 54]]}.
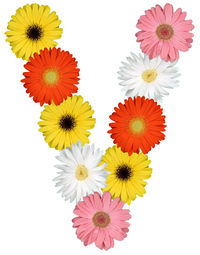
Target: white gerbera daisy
{"points": [[80, 173], [150, 78]]}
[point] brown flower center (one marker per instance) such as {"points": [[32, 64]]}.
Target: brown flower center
{"points": [[124, 172], [67, 122], [101, 219], [165, 32], [34, 32]]}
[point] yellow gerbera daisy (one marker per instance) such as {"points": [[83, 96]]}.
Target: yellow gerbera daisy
{"points": [[32, 29], [67, 123], [127, 174]]}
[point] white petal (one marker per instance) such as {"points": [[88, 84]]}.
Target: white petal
{"points": [[70, 187], [130, 74]]}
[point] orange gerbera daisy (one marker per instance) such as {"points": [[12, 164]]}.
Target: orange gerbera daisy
{"points": [[51, 76], [138, 125]]}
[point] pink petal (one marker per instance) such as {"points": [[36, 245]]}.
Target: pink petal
{"points": [[177, 54], [82, 210], [83, 207], [106, 198], [184, 35], [138, 35], [122, 224], [97, 201], [116, 232], [125, 230], [172, 52], [93, 236], [114, 204], [91, 197], [160, 15], [145, 35], [86, 239], [183, 26], [80, 221], [107, 241], [150, 42], [159, 47], [154, 14], [176, 15], [111, 242], [88, 202], [79, 231], [120, 205], [145, 27], [81, 213], [168, 10], [85, 230], [178, 44], [120, 215], [189, 40], [150, 46], [89, 238], [165, 50], [100, 238], [180, 19], [144, 20], [150, 17]]}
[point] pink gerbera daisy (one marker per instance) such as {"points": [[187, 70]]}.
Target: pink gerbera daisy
{"points": [[101, 220], [164, 32]]}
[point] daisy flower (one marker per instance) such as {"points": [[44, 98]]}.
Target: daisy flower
{"points": [[80, 173], [67, 123], [164, 32], [138, 125], [51, 75], [141, 76], [127, 174], [31, 29], [100, 220]]}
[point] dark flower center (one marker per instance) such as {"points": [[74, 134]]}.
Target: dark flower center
{"points": [[67, 122], [165, 31], [34, 32], [124, 172]]}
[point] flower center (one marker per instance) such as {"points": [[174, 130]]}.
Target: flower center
{"points": [[34, 32], [137, 125], [124, 172], [165, 32], [67, 122], [50, 77], [101, 219], [81, 172], [149, 75]]}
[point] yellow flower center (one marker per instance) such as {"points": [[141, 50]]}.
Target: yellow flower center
{"points": [[51, 77], [81, 172], [137, 125], [149, 75]]}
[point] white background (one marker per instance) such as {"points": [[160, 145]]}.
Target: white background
{"points": [[33, 217]]}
